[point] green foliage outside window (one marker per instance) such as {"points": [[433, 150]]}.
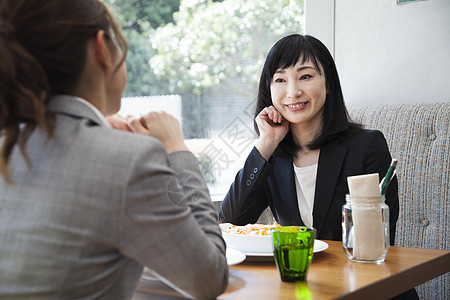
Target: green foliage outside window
{"points": [[187, 46], [211, 42]]}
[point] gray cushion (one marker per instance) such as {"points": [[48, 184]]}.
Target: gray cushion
{"points": [[419, 136]]}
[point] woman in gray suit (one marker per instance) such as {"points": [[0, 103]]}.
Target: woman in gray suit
{"points": [[84, 207]]}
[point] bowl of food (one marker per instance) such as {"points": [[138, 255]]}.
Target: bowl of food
{"points": [[249, 239]]}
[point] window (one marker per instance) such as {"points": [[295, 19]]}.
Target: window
{"points": [[210, 55]]}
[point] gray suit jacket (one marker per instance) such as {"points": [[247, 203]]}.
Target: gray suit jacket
{"points": [[96, 206]]}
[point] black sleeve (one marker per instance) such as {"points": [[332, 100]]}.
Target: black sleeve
{"points": [[377, 160], [246, 199]]}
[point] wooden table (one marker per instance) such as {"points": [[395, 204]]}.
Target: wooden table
{"points": [[331, 276]]}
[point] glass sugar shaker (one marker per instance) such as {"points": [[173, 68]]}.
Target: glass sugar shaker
{"points": [[365, 229]]}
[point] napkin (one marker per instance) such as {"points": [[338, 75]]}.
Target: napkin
{"points": [[367, 216], [364, 185]]}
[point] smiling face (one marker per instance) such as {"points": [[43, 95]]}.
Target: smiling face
{"points": [[299, 92]]}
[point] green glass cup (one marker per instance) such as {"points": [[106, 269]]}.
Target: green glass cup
{"points": [[293, 251]]}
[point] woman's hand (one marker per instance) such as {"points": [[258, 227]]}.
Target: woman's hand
{"points": [[272, 130], [118, 122], [162, 126]]}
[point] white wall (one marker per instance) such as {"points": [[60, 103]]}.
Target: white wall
{"points": [[389, 53], [319, 21]]}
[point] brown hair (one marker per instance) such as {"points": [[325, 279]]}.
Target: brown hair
{"points": [[43, 47]]}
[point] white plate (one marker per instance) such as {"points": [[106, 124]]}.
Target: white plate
{"points": [[234, 257], [319, 246], [256, 245]]}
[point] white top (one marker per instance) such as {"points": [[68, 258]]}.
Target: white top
{"points": [[305, 183]]}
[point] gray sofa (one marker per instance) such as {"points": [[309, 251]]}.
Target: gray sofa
{"points": [[418, 135]]}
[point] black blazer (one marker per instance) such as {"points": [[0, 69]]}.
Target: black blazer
{"points": [[261, 184]]}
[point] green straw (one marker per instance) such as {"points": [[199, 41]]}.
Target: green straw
{"points": [[388, 177]]}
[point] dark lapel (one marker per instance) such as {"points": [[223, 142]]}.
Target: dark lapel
{"points": [[284, 176], [330, 164]]}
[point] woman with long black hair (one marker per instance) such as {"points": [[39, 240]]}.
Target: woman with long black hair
{"points": [[307, 145]]}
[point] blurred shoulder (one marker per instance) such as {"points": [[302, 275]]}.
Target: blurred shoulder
{"points": [[126, 139], [129, 143]]}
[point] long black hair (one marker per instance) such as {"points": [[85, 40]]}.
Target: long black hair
{"points": [[286, 53]]}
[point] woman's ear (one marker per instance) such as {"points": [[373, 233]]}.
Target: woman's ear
{"points": [[102, 52]]}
